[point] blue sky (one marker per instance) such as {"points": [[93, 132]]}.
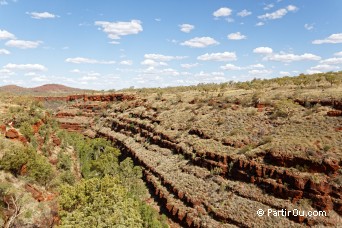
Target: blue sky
{"points": [[111, 44]]}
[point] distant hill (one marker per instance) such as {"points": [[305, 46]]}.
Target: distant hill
{"points": [[44, 89], [54, 88], [12, 88]]}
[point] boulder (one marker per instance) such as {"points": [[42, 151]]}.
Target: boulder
{"points": [[12, 134], [3, 129]]}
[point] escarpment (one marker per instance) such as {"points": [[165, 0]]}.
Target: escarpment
{"points": [[211, 165]]}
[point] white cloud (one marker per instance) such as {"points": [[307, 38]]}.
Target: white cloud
{"points": [[338, 53], [309, 26], [40, 79], [126, 62], [279, 13], [313, 71], [79, 60], [263, 50], [275, 15], [89, 78], [225, 56], [269, 6], [4, 52], [186, 28], [31, 74], [200, 42], [284, 73], [4, 35], [258, 65], [87, 75], [159, 57], [5, 2], [332, 39], [234, 67], [23, 44], [189, 65], [5, 73], [114, 42], [77, 71], [169, 71], [287, 58], [332, 61], [324, 67], [259, 72], [207, 77], [24, 67], [158, 72], [292, 8], [260, 23], [230, 67], [244, 13], [152, 63], [222, 12], [117, 29], [43, 15], [236, 36]]}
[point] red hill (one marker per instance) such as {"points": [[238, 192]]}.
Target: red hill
{"points": [[54, 88], [44, 89]]}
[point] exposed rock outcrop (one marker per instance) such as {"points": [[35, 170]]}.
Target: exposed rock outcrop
{"points": [[12, 134], [3, 129]]}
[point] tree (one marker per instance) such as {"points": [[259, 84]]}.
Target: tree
{"points": [[13, 202], [331, 78], [107, 163], [284, 108], [97, 203], [15, 158], [40, 169]]}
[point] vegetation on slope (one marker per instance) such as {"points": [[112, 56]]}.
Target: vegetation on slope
{"points": [[103, 192]]}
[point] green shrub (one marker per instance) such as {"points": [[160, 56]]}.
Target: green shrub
{"points": [[150, 217], [39, 169], [97, 203], [15, 158], [67, 177], [284, 108], [64, 161], [27, 130]]}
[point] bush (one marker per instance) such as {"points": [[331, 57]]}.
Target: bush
{"points": [[67, 177], [284, 108], [39, 169], [27, 130], [150, 217], [15, 158], [64, 161], [97, 203]]}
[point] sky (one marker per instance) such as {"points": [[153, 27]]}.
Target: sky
{"points": [[115, 44]]}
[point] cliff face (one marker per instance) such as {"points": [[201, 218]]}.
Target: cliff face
{"points": [[204, 175]]}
